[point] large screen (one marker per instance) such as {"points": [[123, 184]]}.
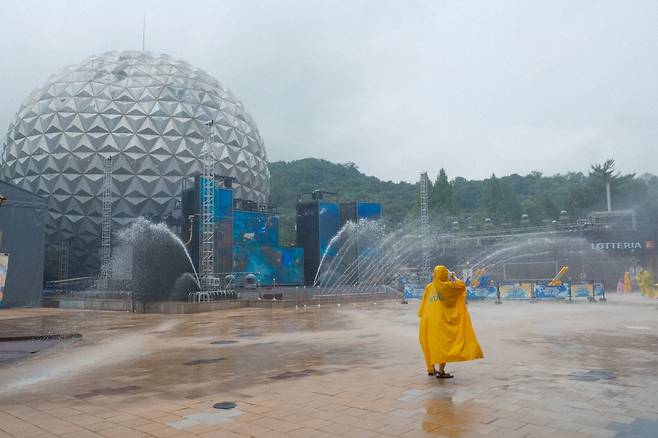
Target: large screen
{"points": [[273, 264], [255, 228], [329, 218]]}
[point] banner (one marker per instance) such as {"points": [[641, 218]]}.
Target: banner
{"points": [[543, 292], [413, 292], [599, 289], [4, 265], [516, 291], [586, 289], [582, 290], [481, 293]]}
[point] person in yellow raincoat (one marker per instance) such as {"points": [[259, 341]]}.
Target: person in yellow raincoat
{"points": [[628, 284], [645, 281], [446, 333], [639, 279]]}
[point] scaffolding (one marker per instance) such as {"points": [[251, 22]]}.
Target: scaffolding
{"points": [[207, 247], [424, 225], [106, 226], [64, 260]]}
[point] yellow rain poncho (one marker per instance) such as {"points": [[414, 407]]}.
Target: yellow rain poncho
{"points": [[645, 281], [649, 285], [446, 334], [628, 285]]}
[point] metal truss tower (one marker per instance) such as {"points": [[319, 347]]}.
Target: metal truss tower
{"points": [[64, 260], [425, 224], [207, 247], [106, 226]]}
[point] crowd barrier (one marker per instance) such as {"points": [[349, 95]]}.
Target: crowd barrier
{"points": [[525, 290]]}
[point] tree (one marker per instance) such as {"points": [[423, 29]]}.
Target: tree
{"points": [[442, 198], [606, 175], [499, 202]]}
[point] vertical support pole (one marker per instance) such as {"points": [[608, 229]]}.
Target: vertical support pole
{"points": [[106, 226], [425, 225], [64, 260], [207, 246], [64, 263]]}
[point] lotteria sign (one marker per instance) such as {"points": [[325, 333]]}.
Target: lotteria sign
{"points": [[617, 245]]}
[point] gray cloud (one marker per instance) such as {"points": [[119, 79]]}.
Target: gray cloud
{"points": [[397, 87]]}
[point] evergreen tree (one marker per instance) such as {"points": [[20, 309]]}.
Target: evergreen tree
{"points": [[606, 176], [442, 199]]}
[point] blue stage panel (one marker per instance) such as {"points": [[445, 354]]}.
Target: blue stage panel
{"points": [[368, 210]]}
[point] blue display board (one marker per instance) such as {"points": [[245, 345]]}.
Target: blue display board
{"points": [[329, 217], [544, 291], [368, 210], [273, 263], [481, 293], [223, 200], [515, 290], [413, 292], [223, 203], [255, 228], [582, 289]]}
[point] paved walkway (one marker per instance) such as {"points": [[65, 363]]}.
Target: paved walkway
{"points": [[551, 369]]}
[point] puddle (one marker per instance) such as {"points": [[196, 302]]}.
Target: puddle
{"points": [[17, 347], [294, 374], [204, 361], [108, 391], [592, 376]]}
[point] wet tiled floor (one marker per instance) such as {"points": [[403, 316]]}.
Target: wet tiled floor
{"points": [[550, 369]]}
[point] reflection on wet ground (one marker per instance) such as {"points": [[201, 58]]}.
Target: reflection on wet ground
{"points": [[550, 369]]}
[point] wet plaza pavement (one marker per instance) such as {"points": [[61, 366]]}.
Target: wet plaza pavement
{"points": [[550, 369]]}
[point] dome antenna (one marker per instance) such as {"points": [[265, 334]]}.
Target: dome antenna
{"points": [[144, 33]]}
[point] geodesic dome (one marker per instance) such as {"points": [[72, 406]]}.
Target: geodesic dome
{"points": [[147, 112]]}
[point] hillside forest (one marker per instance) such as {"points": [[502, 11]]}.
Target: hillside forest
{"points": [[503, 199]]}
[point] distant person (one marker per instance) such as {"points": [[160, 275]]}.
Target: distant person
{"points": [[645, 280], [638, 280], [446, 333], [649, 281], [628, 286], [620, 286]]}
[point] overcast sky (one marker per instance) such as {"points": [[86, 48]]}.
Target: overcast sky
{"points": [[396, 87]]}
